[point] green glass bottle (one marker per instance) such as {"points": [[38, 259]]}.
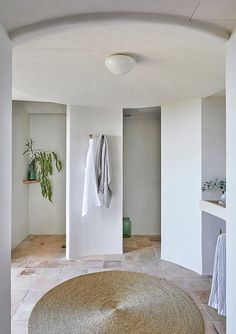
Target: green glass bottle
{"points": [[127, 224]]}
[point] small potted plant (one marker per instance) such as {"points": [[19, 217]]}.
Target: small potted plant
{"points": [[41, 165], [31, 173], [216, 184]]}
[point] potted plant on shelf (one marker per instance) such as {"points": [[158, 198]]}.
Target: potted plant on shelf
{"points": [[40, 168], [216, 184]]}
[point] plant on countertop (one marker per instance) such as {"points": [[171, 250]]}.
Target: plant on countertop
{"points": [[43, 162], [214, 184]]}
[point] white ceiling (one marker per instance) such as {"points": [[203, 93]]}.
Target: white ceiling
{"points": [[65, 63], [67, 66]]}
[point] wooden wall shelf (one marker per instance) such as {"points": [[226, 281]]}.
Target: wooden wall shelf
{"points": [[30, 181]]}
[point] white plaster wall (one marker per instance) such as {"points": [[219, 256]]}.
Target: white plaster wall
{"points": [[181, 184], [48, 131], [20, 191], [231, 181], [142, 173], [5, 179], [100, 232]]}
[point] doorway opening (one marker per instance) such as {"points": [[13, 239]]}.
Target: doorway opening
{"points": [[41, 223], [142, 176]]}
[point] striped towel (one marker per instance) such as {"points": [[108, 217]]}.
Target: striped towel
{"points": [[218, 289]]}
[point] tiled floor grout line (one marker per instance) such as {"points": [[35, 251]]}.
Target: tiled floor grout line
{"points": [[12, 315]]}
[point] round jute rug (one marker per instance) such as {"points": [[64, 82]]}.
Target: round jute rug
{"points": [[115, 302]]}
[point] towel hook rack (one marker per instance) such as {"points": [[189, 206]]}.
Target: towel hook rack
{"points": [[91, 136]]}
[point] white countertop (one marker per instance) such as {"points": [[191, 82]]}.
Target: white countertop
{"points": [[213, 208]]}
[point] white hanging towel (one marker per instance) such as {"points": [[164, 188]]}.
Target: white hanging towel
{"points": [[103, 171], [90, 199], [218, 288]]}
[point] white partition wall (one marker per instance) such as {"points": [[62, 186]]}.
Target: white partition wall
{"points": [[20, 191], [181, 184], [193, 151], [5, 180], [231, 181], [99, 232]]}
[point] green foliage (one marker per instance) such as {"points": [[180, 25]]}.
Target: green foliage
{"points": [[29, 149], [44, 162], [214, 184]]}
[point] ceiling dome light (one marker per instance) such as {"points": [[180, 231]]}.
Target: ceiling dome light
{"points": [[120, 63]]}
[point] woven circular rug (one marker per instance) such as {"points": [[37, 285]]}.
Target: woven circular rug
{"points": [[116, 302]]}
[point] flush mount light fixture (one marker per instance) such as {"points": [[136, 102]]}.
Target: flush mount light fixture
{"points": [[120, 63]]}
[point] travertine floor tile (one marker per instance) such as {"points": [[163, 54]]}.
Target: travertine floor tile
{"points": [[113, 257], [16, 300], [112, 264], [70, 272], [179, 282], [214, 314], [199, 283], [22, 283], [23, 311], [39, 264], [130, 265], [19, 327], [51, 272], [33, 296], [31, 272], [203, 295], [45, 283], [221, 327], [210, 329], [94, 264]]}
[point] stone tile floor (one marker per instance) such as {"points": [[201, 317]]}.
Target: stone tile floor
{"points": [[39, 264]]}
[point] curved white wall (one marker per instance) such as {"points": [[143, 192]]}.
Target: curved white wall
{"points": [[5, 179], [181, 184], [231, 181]]}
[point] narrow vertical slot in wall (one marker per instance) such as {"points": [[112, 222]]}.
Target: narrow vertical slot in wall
{"points": [[213, 167], [33, 214], [142, 173]]}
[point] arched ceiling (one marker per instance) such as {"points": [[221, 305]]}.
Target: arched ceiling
{"points": [[60, 47], [67, 65], [15, 14]]}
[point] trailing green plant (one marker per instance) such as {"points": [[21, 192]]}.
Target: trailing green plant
{"points": [[214, 184], [44, 162]]}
